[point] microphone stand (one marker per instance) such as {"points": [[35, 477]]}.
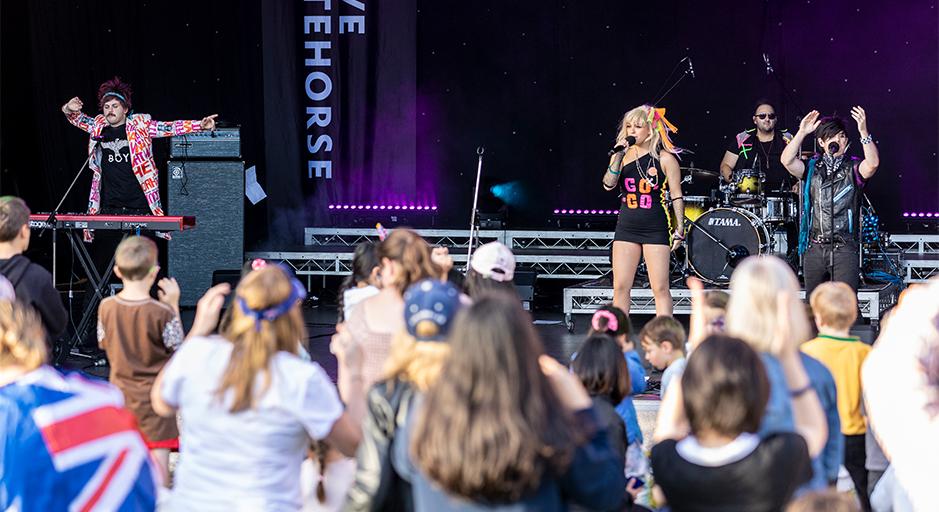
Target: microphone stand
{"points": [[53, 222], [831, 219], [479, 171]]}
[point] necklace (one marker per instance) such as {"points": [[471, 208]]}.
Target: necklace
{"points": [[644, 174], [765, 163]]}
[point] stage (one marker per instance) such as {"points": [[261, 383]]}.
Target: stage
{"points": [[583, 257]]}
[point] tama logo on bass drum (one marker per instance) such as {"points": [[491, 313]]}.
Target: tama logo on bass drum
{"points": [[724, 221]]}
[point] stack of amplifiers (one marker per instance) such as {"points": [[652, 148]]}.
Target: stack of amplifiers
{"points": [[206, 180]]}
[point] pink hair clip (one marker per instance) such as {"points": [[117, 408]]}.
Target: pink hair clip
{"points": [[258, 264], [612, 324]]}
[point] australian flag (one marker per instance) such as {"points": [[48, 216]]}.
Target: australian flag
{"points": [[67, 444]]}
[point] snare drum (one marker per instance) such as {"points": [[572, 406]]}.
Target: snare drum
{"points": [[695, 206], [780, 208]]}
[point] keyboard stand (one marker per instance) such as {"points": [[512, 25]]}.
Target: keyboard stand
{"points": [[98, 282]]}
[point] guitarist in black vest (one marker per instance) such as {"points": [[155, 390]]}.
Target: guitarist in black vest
{"points": [[829, 234]]}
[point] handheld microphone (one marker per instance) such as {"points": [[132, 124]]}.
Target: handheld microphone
{"points": [[630, 141], [833, 148]]}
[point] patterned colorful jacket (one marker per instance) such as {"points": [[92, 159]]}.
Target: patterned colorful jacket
{"points": [[140, 131]]}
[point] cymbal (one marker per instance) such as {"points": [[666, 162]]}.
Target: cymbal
{"points": [[697, 171]]}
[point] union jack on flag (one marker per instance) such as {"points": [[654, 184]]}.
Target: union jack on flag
{"points": [[66, 443]]}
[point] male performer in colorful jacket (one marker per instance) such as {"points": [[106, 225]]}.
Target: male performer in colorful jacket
{"points": [[125, 179], [832, 197]]}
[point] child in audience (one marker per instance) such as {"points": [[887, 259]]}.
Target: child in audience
{"points": [[492, 267], [364, 280], [249, 405], [505, 427], [404, 259], [761, 287], [663, 341], [834, 306], [606, 379], [612, 321], [605, 376], [57, 430], [724, 464], [139, 334], [417, 355], [32, 283]]}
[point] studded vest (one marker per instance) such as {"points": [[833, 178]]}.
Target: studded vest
{"points": [[840, 179]]}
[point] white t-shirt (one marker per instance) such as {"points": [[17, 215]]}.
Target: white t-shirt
{"points": [[353, 296], [248, 460], [674, 370]]}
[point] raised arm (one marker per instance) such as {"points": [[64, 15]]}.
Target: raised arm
{"points": [[871, 156], [790, 155], [73, 112], [182, 127], [807, 414]]}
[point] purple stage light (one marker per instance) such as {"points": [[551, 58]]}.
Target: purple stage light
{"points": [[571, 211], [381, 207]]}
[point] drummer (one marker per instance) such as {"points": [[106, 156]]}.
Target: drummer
{"points": [[759, 149]]}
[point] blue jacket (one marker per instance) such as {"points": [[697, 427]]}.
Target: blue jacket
{"points": [[626, 409], [778, 415], [594, 479], [827, 463]]}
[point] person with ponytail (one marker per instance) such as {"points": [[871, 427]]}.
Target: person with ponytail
{"points": [[612, 321], [250, 404], [417, 355], [404, 259]]}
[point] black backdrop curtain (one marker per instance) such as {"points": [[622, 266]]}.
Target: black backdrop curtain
{"points": [[540, 84]]}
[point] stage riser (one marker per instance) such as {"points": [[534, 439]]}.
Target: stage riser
{"points": [[642, 302]]}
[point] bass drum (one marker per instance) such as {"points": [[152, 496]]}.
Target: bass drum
{"points": [[742, 232]]}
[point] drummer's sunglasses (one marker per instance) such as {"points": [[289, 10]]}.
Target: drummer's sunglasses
{"points": [[764, 116]]}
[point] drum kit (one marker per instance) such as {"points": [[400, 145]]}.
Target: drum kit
{"points": [[726, 222]]}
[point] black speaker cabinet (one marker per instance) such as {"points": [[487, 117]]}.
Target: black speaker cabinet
{"points": [[212, 192]]}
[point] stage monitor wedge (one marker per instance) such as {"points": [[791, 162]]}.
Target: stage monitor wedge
{"points": [[212, 192]]}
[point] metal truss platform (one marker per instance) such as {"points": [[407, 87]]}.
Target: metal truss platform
{"points": [[585, 298], [550, 254], [920, 256]]}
